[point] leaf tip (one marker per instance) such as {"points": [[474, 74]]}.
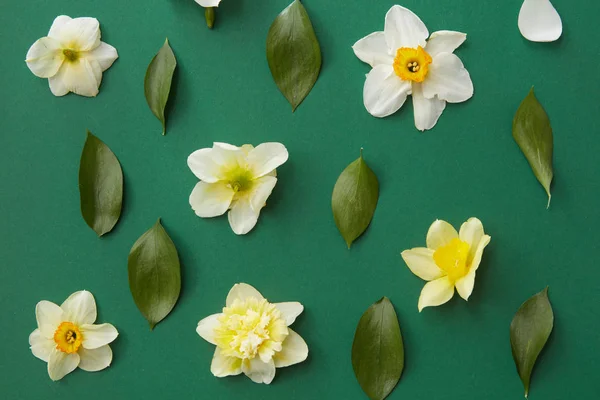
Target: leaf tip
{"points": [[549, 199], [152, 325]]}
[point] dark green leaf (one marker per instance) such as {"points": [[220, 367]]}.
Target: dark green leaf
{"points": [[100, 185], [529, 332], [157, 84], [293, 53], [533, 134], [377, 351], [354, 200], [154, 274]]}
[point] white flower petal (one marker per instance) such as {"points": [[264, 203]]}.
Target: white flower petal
{"points": [[208, 3], [57, 82], [242, 291], [57, 25], [41, 346], [104, 54], [294, 351], [464, 285], [80, 308], [444, 42], [93, 360], [373, 50], [211, 199], [203, 165], [404, 29], [222, 366], [436, 293], [420, 261], [440, 234], [246, 210], [81, 77], [206, 327], [95, 336], [259, 371], [448, 79], [485, 240], [49, 316], [290, 311], [471, 232], [384, 92], [427, 111], [61, 364], [263, 187], [45, 57], [539, 21], [265, 157], [80, 34]]}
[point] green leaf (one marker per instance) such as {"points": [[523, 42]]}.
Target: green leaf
{"points": [[354, 199], [377, 351], [100, 185], [529, 332], [533, 134], [154, 274], [293, 53], [157, 84]]}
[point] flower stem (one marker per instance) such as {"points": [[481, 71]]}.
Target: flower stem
{"points": [[209, 14]]}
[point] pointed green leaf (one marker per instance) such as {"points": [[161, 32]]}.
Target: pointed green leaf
{"points": [[354, 199], [293, 53], [157, 84], [100, 185], [154, 274], [533, 134], [529, 332], [378, 351]]}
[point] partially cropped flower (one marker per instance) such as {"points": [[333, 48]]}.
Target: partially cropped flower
{"points": [[405, 62], [253, 336], [72, 56], [208, 3], [449, 261], [233, 178], [66, 337]]}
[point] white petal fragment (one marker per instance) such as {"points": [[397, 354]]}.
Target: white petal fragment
{"points": [[427, 111], [45, 57], [41, 346], [444, 42], [211, 199], [61, 364], [209, 3], [242, 291], [384, 92], [294, 351], [420, 261], [265, 157], [104, 54], [259, 371], [206, 327], [404, 29], [290, 311], [223, 366], [96, 359], [95, 336], [48, 316], [448, 79], [440, 234], [436, 293], [539, 21], [80, 308], [373, 50]]}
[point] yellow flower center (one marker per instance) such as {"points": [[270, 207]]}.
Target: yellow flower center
{"points": [[412, 64], [239, 179], [452, 258], [250, 328], [68, 338], [71, 55]]}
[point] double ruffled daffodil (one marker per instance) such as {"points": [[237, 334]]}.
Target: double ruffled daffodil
{"points": [[72, 56], [405, 62], [253, 336], [449, 261], [233, 178], [66, 337]]}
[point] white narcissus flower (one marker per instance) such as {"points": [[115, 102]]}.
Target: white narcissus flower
{"points": [[66, 337], [233, 178], [253, 336], [72, 56], [405, 62], [450, 260]]}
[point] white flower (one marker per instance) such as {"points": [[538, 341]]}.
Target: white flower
{"points": [[72, 56], [208, 3], [236, 178], [539, 21], [66, 337], [253, 336], [404, 62], [450, 260]]}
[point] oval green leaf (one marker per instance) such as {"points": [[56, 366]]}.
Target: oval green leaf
{"points": [[157, 84], [533, 134], [529, 332], [354, 199], [154, 274], [293, 53], [378, 351], [100, 185]]}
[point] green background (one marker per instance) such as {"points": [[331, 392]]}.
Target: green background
{"points": [[468, 165]]}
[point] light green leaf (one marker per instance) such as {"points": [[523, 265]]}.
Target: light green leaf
{"points": [[157, 84], [529, 332], [100, 185], [154, 274], [378, 351], [533, 134], [354, 199], [293, 53]]}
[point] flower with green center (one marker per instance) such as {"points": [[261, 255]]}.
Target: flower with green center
{"points": [[449, 261], [66, 337], [233, 178], [253, 336]]}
